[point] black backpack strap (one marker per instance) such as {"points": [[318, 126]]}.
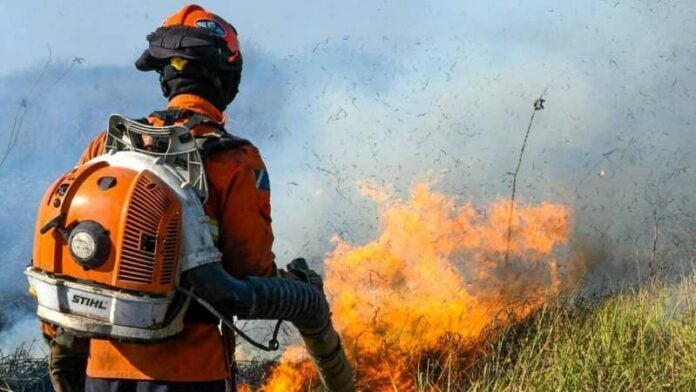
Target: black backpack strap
{"points": [[169, 116], [210, 144], [218, 142], [197, 119]]}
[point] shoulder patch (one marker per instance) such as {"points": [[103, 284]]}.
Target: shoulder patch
{"points": [[263, 183]]}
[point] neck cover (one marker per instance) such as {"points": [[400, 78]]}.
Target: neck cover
{"points": [[217, 87]]}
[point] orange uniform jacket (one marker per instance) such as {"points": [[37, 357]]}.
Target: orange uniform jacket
{"points": [[242, 210]]}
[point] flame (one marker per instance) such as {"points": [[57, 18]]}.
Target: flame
{"points": [[295, 372], [244, 388], [436, 271]]}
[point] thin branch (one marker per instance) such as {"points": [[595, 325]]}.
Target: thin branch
{"points": [[29, 99], [656, 237], [538, 105]]}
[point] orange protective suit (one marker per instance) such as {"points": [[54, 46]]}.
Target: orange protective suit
{"points": [[242, 208]]}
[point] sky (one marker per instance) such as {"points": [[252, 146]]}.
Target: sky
{"points": [[336, 94], [112, 33]]}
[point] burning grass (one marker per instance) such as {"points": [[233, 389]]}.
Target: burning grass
{"points": [[643, 339], [432, 284]]}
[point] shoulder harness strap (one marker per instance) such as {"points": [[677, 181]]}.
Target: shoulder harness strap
{"points": [[210, 144]]}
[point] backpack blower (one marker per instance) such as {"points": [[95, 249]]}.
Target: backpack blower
{"points": [[122, 245]]}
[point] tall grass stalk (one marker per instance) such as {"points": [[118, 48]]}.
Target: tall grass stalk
{"points": [[643, 339]]}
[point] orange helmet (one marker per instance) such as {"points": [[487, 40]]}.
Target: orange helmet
{"points": [[195, 34]]}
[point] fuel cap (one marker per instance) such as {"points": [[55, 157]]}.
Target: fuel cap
{"points": [[89, 244]]}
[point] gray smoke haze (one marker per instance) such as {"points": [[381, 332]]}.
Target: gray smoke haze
{"points": [[615, 142]]}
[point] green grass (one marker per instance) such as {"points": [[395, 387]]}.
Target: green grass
{"points": [[643, 339]]}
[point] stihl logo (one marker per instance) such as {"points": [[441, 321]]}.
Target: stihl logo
{"points": [[91, 302]]}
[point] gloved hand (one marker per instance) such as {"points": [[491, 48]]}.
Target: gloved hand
{"points": [[298, 269]]}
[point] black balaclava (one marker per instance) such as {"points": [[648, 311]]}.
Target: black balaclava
{"points": [[218, 87]]}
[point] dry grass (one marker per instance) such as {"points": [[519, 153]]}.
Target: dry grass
{"points": [[641, 340], [20, 371]]}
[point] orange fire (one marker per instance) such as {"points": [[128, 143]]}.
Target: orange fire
{"points": [[436, 271]]}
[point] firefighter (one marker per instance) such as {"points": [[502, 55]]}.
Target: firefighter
{"points": [[196, 54]]}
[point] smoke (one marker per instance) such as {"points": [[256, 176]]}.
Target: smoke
{"points": [[444, 101], [23, 333], [614, 142]]}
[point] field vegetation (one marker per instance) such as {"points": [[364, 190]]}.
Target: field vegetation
{"points": [[641, 339]]}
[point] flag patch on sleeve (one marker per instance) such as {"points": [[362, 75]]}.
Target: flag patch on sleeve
{"points": [[262, 181]]}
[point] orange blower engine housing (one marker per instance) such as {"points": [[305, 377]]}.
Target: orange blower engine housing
{"points": [[137, 214], [110, 243]]}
